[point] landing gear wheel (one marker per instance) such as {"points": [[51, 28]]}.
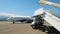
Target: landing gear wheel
{"points": [[13, 22]]}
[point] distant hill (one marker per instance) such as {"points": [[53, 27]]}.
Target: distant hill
{"points": [[4, 18]]}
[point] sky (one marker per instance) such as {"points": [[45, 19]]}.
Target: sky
{"points": [[24, 7]]}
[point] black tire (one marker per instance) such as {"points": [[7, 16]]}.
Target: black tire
{"points": [[13, 22], [33, 27], [52, 30], [44, 28]]}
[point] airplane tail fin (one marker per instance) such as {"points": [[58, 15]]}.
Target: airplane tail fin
{"points": [[42, 1]]}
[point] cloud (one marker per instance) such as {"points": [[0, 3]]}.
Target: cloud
{"points": [[11, 15], [7, 14]]}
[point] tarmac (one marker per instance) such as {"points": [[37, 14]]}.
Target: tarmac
{"points": [[7, 27]]}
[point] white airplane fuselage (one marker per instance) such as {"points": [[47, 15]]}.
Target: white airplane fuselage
{"points": [[21, 19]]}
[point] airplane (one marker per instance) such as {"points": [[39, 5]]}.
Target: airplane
{"points": [[26, 19]]}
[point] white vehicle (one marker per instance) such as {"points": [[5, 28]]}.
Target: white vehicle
{"points": [[52, 18], [48, 17]]}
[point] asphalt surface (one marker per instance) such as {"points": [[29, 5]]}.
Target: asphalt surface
{"points": [[6, 27]]}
